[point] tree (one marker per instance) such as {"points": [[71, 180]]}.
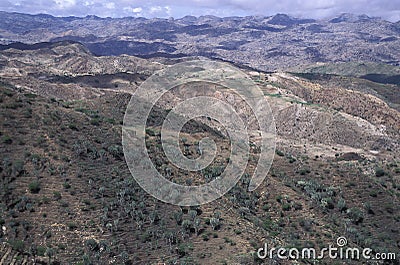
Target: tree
{"points": [[153, 215], [49, 253], [186, 224], [214, 222], [197, 225], [192, 214], [178, 217]]}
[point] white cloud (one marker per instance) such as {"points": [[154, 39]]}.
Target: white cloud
{"points": [[168, 10], [110, 5], [87, 3], [155, 9], [63, 4], [137, 10]]}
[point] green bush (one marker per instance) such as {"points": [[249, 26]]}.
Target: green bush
{"points": [[57, 195], [304, 171], [17, 245], [41, 251], [379, 172], [34, 187], [5, 139], [73, 127], [72, 226], [92, 244], [341, 205], [95, 121], [183, 249], [286, 207], [356, 215], [18, 167]]}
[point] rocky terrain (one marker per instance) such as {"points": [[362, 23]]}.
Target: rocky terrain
{"points": [[67, 196], [266, 43]]}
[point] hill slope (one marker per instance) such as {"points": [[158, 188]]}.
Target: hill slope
{"points": [[67, 195]]}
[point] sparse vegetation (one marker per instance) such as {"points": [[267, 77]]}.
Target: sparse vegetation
{"points": [[63, 174], [34, 187]]}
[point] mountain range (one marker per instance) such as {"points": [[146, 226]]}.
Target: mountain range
{"points": [[265, 43]]}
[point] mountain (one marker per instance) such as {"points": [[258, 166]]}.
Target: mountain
{"points": [[67, 195], [285, 20], [265, 43], [346, 17]]}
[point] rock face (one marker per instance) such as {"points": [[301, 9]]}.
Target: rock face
{"points": [[265, 43]]}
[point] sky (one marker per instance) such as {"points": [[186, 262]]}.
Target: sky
{"points": [[387, 9]]}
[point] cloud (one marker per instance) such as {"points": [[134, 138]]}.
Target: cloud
{"points": [[155, 9], [137, 10], [65, 4], [387, 9], [110, 5]]}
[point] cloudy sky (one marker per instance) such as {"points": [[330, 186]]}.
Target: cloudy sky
{"points": [[387, 9]]}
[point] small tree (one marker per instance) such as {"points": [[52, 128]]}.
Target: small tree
{"points": [[34, 187], [197, 225], [153, 215], [214, 222], [178, 217], [342, 205], [186, 224], [192, 214], [49, 253]]}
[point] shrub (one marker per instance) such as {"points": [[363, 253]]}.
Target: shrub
{"points": [[73, 126], [304, 171], [18, 167], [215, 223], [269, 224], [187, 224], [41, 251], [205, 237], [57, 195], [183, 249], [17, 245], [150, 132], [34, 187], [298, 206], [286, 207], [379, 172], [92, 244], [95, 121], [5, 139], [356, 215], [72, 226], [341, 205], [373, 194], [116, 151]]}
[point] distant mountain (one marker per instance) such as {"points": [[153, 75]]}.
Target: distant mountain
{"points": [[265, 43], [285, 20], [346, 17], [36, 46]]}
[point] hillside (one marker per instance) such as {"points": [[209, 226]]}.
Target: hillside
{"points": [[67, 196]]}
